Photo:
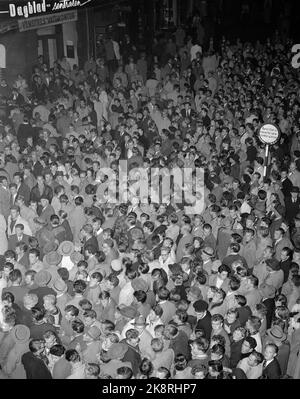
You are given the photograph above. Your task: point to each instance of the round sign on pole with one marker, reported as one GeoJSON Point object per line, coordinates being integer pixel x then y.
{"type": "Point", "coordinates": [269, 134]}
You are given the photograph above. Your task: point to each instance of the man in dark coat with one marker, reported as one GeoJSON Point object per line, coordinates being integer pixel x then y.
{"type": "Point", "coordinates": [286, 184]}
{"type": "Point", "coordinates": [34, 362]}
{"type": "Point", "coordinates": [271, 368]}
{"type": "Point", "coordinates": [292, 205]}
{"type": "Point", "coordinates": [133, 354]}
{"type": "Point", "coordinates": [203, 319]}
{"type": "Point", "coordinates": [296, 232]}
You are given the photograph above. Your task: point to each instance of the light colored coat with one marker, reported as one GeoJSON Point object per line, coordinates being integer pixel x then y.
{"type": "Point", "coordinates": [3, 237]}
{"type": "Point", "coordinates": [13, 366]}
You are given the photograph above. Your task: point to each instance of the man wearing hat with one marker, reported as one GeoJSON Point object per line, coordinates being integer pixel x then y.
{"type": "Point", "coordinates": [115, 355]}
{"type": "Point", "coordinates": [66, 249]}
{"type": "Point", "coordinates": [11, 367]}
{"type": "Point", "coordinates": [140, 324]}
{"type": "Point", "coordinates": [92, 339]}
{"type": "Point", "coordinates": [207, 255]}
{"type": "Point", "coordinates": [279, 338]}
{"type": "Point", "coordinates": [62, 296]}
{"type": "Point", "coordinates": [42, 279]}
{"type": "Point", "coordinates": [123, 316]}
{"type": "Point", "coordinates": [51, 263]}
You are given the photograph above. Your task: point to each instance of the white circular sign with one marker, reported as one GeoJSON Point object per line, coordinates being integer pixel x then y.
{"type": "Point", "coordinates": [269, 134]}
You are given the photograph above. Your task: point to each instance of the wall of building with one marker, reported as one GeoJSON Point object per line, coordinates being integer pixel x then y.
{"type": "Point", "coordinates": [21, 53]}
{"type": "Point", "coordinates": [70, 36]}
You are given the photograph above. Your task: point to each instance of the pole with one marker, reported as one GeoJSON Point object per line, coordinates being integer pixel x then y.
{"type": "Point", "coordinates": [266, 159]}
{"type": "Point", "coordinates": [87, 32]}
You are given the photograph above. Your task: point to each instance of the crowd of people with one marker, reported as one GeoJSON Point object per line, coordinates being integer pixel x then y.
{"type": "Point", "coordinates": [97, 285]}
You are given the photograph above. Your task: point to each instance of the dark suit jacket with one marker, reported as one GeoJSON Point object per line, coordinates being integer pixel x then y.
{"type": "Point", "coordinates": [132, 355]}
{"type": "Point", "coordinates": [270, 305]}
{"type": "Point", "coordinates": [204, 324]}
{"type": "Point", "coordinates": [13, 240]}
{"type": "Point", "coordinates": [287, 186]}
{"type": "Point", "coordinates": [24, 192]}
{"type": "Point", "coordinates": [272, 371]}
{"type": "Point", "coordinates": [93, 242]}
{"type": "Point", "coordinates": [157, 250]}
{"type": "Point", "coordinates": [36, 196]}
{"type": "Point", "coordinates": [285, 267]}
{"type": "Point", "coordinates": [235, 353]}
{"type": "Point", "coordinates": [37, 169]}
{"type": "Point", "coordinates": [244, 313]}
{"type": "Point", "coordinates": [296, 238]}
{"type": "Point", "coordinates": [24, 131]}
{"type": "Point", "coordinates": [291, 209]}
{"type": "Point", "coordinates": [188, 114]}
{"type": "Point", "coordinates": [47, 213]}
{"type": "Point", "coordinates": [35, 368]}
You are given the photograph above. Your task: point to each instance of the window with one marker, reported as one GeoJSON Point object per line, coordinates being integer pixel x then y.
{"type": "Point", "coordinates": [2, 56]}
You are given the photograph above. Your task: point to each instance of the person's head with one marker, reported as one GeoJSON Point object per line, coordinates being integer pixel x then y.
{"type": "Point", "coordinates": [33, 255]}
{"type": "Point", "coordinates": [278, 234]}
{"type": "Point", "coordinates": [30, 300]}
{"type": "Point", "coordinates": [285, 254]}
{"type": "Point", "coordinates": [163, 373]}
{"type": "Point", "coordinates": [231, 316]}
{"type": "Point", "coordinates": [79, 287]}
{"type": "Point", "coordinates": [199, 347]}
{"type": "Point", "coordinates": [14, 212]}
{"type": "Point", "coordinates": [240, 300]}
{"type": "Point", "coordinates": [37, 346]}
{"type": "Point", "coordinates": [49, 302]}
{"type": "Point", "coordinates": [217, 321]}
{"type": "Point", "coordinates": [72, 356]}
{"type": "Point", "coordinates": [199, 372]}
{"type": "Point", "coordinates": [56, 352]}
{"type": "Point", "coordinates": [89, 317]}
{"type": "Point", "coordinates": [223, 272]}
{"type": "Point", "coordinates": [252, 282]}
{"type": "Point", "coordinates": [77, 326]}
{"type": "Point", "coordinates": [248, 345]}
{"type": "Point", "coordinates": [132, 337]}
{"type": "Point", "coordinates": [15, 276]}
{"type": "Point", "coordinates": [92, 371]}
{"type": "Point", "coordinates": [171, 331]}
{"type": "Point", "coordinates": [50, 339]}
{"type": "Point", "coordinates": [8, 299]}
{"type": "Point", "coordinates": [239, 334]}
{"type": "Point", "coordinates": [280, 300]}
{"type": "Point", "coordinates": [71, 312]}
{"type": "Point", "coordinates": [217, 352]}
{"type": "Point", "coordinates": [253, 324]}
{"type": "Point", "coordinates": [255, 358]}
{"type": "Point", "coordinates": [215, 368]}
{"type": "Point", "coordinates": [271, 351]}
